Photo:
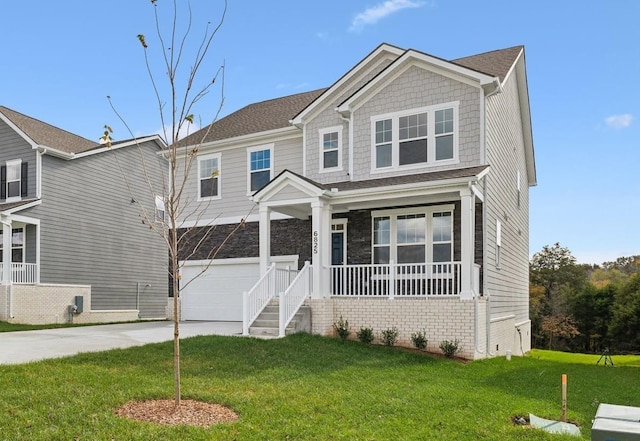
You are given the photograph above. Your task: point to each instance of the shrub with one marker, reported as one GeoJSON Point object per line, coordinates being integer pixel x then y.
{"type": "Point", "coordinates": [419, 340]}
{"type": "Point", "coordinates": [450, 348]}
{"type": "Point", "coordinates": [342, 328]}
{"type": "Point", "coordinates": [365, 335]}
{"type": "Point", "coordinates": [389, 336]}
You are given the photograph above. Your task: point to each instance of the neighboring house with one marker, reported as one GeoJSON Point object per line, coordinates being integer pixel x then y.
{"type": "Point", "coordinates": [72, 227]}
{"type": "Point", "coordinates": [404, 184]}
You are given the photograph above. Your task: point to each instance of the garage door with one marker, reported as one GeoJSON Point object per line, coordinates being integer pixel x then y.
{"type": "Point", "coordinates": [216, 294]}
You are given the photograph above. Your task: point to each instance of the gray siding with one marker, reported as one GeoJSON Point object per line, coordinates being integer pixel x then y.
{"type": "Point", "coordinates": [416, 88]}
{"type": "Point", "coordinates": [235, 200]}
{"type": "Point", "coordinates": [13, 146]}
{"type": "Point", "coordinates": [91, 231]}
{"type": "Point", "coordinates": [509, 284]}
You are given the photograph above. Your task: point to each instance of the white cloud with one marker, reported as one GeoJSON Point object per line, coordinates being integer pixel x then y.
{"type": "Point", "coordinates": [619, 121]}
{"type": "Point", "coordinates": [376, 13]}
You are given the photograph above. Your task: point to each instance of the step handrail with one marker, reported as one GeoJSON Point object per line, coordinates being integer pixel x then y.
{"type": "Point", "coordinates": [293, 297]}
{"type": "Point", "coordinates": [257, 298]}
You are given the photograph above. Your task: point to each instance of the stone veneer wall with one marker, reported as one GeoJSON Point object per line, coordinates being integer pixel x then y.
{"type": "Point", "coordinates": [440, 318]}
{"type": "Point", "coordinates": [48, 303]}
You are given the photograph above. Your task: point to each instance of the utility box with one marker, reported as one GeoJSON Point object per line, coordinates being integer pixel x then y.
{"type": "Point", "coordinates": [79, 302]}
{"type": "Point", "coordinates": [616, 423]}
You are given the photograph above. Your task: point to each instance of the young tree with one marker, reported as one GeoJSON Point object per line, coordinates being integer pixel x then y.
{"type": "Point", "coordinates": [181, 84]}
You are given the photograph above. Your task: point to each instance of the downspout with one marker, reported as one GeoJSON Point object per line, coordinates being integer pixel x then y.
{"type": "Point", "coordinates": [350, 134]}
{"type": "Point", "coordinates": [485, 291]}
{"type": "Point", "coordinates": [476, 306]}
{"type": "Point", "coordinates": [40, 154]}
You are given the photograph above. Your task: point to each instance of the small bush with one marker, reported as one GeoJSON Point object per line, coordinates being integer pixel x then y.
{"type": "Point", "coordinates": [450, 348]}
{"type": "Point", "coordinates": [389, 336]}
{"type": "Point", "coordinates": [342, 328]}
{"type": "Point", "coordinates": [419, 340]}
{"type": "Point", "coordinates": [365, 335]}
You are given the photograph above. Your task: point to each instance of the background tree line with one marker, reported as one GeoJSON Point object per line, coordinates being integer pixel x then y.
{"type": "Point", "coordinates": [584, 308]}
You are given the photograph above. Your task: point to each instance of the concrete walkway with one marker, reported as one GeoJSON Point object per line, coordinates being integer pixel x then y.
{"type": "Point", "coordinates": [27, 346]}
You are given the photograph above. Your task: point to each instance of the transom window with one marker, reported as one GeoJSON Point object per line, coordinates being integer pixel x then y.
{"type": "Point", "coordinates": [416, 137]}
{"type": "Point", "coordinates": [209, 176]}
{"type": "Point", "coordinates": [331, 149]}
{"type": "Point", "coordinates": [260, 167]}
{"type": "Point", "coordinates": [405, 237]}
{"type": "Point", "coordinates": [17, 245]}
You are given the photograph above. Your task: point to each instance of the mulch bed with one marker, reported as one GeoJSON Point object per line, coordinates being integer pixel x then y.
{"type": "Point", "coordinates": [190, 412]}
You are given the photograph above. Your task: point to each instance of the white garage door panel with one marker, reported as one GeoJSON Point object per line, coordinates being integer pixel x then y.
{"type": "Point", "coordinates": [217, 293]}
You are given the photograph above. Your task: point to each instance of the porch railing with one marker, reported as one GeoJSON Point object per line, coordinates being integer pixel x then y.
{"type": "Point", "coordinates": [274, 281]}
{"type": "Point", "coordinates": [22, 273]}
{"type": "Point", "coordinates": [397, 280]}
{"type": "Point", "coordinates": [294, 296]}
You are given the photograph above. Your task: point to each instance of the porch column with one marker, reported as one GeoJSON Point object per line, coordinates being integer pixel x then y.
{"type": "Point", "coordinates": [6, 251]}
{"type": "Point", "coordinates": [320, 241]}
{"type": "Point", "coordinates": [265, 238]}
{"type": "Point", "coordinates": [467, 243]}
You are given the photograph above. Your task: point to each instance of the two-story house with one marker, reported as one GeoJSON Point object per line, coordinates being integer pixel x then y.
{"type": "Point", "coordinates": [404, 185]}
{"type": "Point", "coordinates": [71, 231]}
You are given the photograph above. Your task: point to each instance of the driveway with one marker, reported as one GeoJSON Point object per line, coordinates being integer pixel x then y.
{"type": "Point", "coordinates": [26, 346]}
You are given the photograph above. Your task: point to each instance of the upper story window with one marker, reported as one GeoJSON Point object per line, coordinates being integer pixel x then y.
{"type": "Point", "coordinates": [331, 149]}
{"type": "Point", "coordinates": [260, 166]}
{"type": "Point", "coordinates": [209, 176]}
{"type": "Point", "coordinates": [418, 137]}
{"type": "Point", "coordinates": [410, 236]}
{"type": "Point", "coordinates": [13, 180]}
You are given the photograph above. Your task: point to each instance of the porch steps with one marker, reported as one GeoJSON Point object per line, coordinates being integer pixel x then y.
{"type": "Point", "coordinates": [268, 323]}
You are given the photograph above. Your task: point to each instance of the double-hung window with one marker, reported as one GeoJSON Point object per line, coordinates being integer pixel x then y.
{"type": "Point", "coordinates": [417, 137]}
{"type": "Point", "coordinates": [209, 176]}
{"type": "Point", "coordinates": [260, 166]}
{"type": "Point", "coordinates": [331, 149]}
{"type": "Point", "coordinates": [13, 180]}
{"type": "Point", "coordinates": [413, 236]}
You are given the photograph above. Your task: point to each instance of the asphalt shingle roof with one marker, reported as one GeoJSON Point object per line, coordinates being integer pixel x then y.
{"type": "Point", "coordinates": [47, 135]}
{"type": "Point", "coordinates": [276, 113]}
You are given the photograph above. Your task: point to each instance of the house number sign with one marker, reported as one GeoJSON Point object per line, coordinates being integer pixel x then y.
{"type": "Point", "coordinates": [315, 242]}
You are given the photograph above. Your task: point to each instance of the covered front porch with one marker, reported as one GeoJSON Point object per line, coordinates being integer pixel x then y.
{"type": "Point", "coordinates": [19, 250]}
{"type": "Point", "coordinates": [400, 237]}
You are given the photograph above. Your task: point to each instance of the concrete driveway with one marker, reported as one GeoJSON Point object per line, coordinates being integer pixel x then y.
{"type": "Point", "coordinates": [26, 346]}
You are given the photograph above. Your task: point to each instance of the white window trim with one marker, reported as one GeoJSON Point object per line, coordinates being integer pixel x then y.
{"type": "Point", "coordinates": [343, 223]}
{"type": "Point", "coordinates": [428, 214]}
{"type": "Point", "coordinates": [498, 243]}
{"type": "Point", "coordinates": [321, 134]}
{"type": "Point", "coordinates": [217, 156]}
{"type": "Point", "coordinates": [23, 246]}
{"type": "Point", "coordinates": [250, 150]}
{"type": "Point", "coordinates": [18, 163]}
{"type": "Point", "coordinates": [431, 146]}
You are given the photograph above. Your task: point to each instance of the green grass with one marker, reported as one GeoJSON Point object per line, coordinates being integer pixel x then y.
{"type": "Point", "coordinates": [15, 327]}
{"type": "Point", "coordinates": [592, 359]}
{"type": "Point", "coordinates": [304, 388]}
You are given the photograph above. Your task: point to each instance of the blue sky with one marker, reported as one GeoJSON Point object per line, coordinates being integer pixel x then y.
{"type": "Point", "coordinates": [61, 59]}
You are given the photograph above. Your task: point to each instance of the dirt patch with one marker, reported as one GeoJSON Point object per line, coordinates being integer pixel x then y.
{"type": "Point", "coordinates": [190, 412]}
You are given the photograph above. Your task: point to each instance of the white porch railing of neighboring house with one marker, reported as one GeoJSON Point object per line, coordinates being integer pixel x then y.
{"type": "Point", "coordinates": [294, 297]}
{"type": "Point", "coordinates": [22, 273]}
{"type": "Point", "coordinates": [397, 280]}
{"type": "Point", "coordinates": [274, 281]}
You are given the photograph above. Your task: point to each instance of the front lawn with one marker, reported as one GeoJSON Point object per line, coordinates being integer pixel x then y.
{"type": "Point", "coordinates": [304, 388]}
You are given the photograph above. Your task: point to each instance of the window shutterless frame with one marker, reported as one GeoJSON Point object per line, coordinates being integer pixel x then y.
{"type": "Point", "coordinates": [330, 149]}
{"type": "Point", "coordinates": [260, 160]}
{"type": "Point", "coordinates": [209, 177]}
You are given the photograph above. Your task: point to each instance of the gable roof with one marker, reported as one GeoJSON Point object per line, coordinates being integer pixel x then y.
{"type": "Point", "coordinates": [255, 118]}
{"type": "Point", "coordinates": [278, 112]}
{"type": "Point", "coordinates": [46, 135]}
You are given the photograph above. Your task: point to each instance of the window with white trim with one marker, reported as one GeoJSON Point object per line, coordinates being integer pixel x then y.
{"type": "Point", "coordinates": [518, 188]}
{"type": "Point", "coordinates": [17, 245]}
{"type": "Point", "coordinates": [417, 137]}
{"type": "Point", "coordinates": [160, 209]}
{"type": "Point", "coordinates": [331, 149]}
{"type": "Point", "coordinates": [413, 236]}
{"type": "Point", "coordinates": [209, 176]}
{"type": "Point", "coordinates": [498, 242]}
{"type": "Point", "coordinates": [260, 167]}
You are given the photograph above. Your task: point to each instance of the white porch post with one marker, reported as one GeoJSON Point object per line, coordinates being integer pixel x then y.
{"type": "Point", "coordinates": [320, 241]}
{"type": "Point", "coordinates": [467, 243]}
{"type": "Point", "coordinates": [265, 238]}
{"type": "Point", "coordinates": [6, 251]}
